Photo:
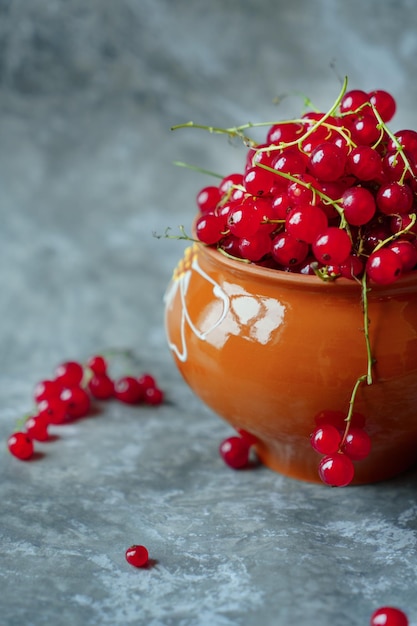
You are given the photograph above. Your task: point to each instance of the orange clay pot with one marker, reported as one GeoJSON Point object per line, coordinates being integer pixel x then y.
{"type": "Point", "coordinates": [268, 350]}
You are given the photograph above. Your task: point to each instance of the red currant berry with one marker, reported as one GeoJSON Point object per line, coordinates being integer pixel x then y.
{"type": "Point", "coordinates": [336, 470]}
{"type": "Point", "coordinates": [235, 452]}
{"type": "Point", "coordinates": [329, 416]}
{"type": "Point", "coordinates": [20, 445]}
{"type": "Point", "coordinates": [384, 266]}
{"type": "Point", "coordinates": [232, 180]}
{"type": "Point", "coordinates": [258, 181]}
{"type": "Point", "coordinates": [281, 205]}
{"type": "Point", "coordinates": [359, 205]}
{"type": "Point", "coordinates": [153, 396]}
{"type": "Point", "coordinates": [303, 191]}
{"type": "Point", "coordinates": [364, 129]}
{"type": "Point", "coordinates": [250, 439]}
{"type": "Point", "coordinates": [244, 220]}
{"type": "Point", "coordinates": [351, 268]}
{"type": "Point", "coordinates": [352, 100]}
{"type": "Point", "coordinates": [36, 427]}
{"type": "Point", "coordinates": [101, 386]}
{"type": "Point", "coordinates": [209, 228]}
{"type": "Point", "coordinates": [47, 389]}
{"type": "Point", "coordinates": [327, 162]}
{"type": "Point", "coordinates": [306, 222]}
{"type": "Point", "coordinates": [69, 374]}
{"type": "Point", "coordinates": [284, 133]}
{"type": "Point", "coordinates": [97, 364]}
{"type": "Point", "coordinates": [286, 250]}
{"type": "Point", "coordinates": [290, 162]}
{"type": "Point", "coordinates": [407, 139]}
{"type": "Point", "coordinates": [128, 389]}
{"type": "Point", "coordinates": [407, 253]}
{"type": "Point", "coordinates": [388, 616]}
{"type": "Point", "coordinates": [326, 439]}
{"type": "Point", "coordinates": [399, 222]}
{"type": "Point", "coordinates": [357, 444]}
{"type": "Point", "coordinates": [255, 248]}
{"type": "Point", "coordinates": [137, 556]}
{"type": "Point", "coordinates": [76, 400]}
{"type": "Point", "coordinates": [146, 381]}
{"type": "Point", "coordinates": [394, 198]}
{"type": "Point", "coordinates": [53, 410]}
{"type": "Point", "coordinates": [208, 198]}
{"type": "Point", "coordinates": [332, 246]}
{"type": "Point", "coordinates": [364, 163]}
{"type": "Point", "coordinates": [384, 104]}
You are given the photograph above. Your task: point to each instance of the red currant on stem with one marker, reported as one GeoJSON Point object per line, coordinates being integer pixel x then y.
{"type": "Point", "coordinates": [388, 616]}
{"type": "Point", "coordinates": [384, 266]}
{"type": "Point", "coordinates": [69, 374]}
{"type": "Point", "coordinates": [53, 410]}
{"type": "Point", "coordinates": [97, 364]}
{"type": "Point", "coordinates": [20, 445]}
{"type": "Point", "coordinates": [336, 470]}
{"type": "Point", "coordinates": [101, 386]}
{"type": "Point", "coordinates": [326, 439]}
{"type": "Point", "coordinates": [128, 389]}
{"type": "Point", "coordinates": [36, 427]}
{"type": "Point", "coordinates": [47, 389]}
{"type": "Point", "coordinates": [137, 556]}
{"type": "Point", "coordinates": [76, 400]}
{"type": "Point", "coordinates": [153, 396]}
{"type": "Point", "coordinates": [357, 444]}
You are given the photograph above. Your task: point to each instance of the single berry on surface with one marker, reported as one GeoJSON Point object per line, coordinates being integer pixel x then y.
{"type": "Point", "coordinates": [137, 556]}
{"type": "Point", "coordinates": [336, 470]}
{"type": "Point", "coordinates": [389, 616]}
{"type": "Point", "coordinates": [235, 452]}
{"type": "Point", "coordinates": [20, 445]}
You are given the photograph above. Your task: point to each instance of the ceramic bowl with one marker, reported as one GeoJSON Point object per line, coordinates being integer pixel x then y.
{"type": "Point", "coordinates": [269, 350]}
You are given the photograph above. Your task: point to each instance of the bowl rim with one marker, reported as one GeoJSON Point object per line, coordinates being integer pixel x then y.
{"type": "Point", "coordinates": [406, 283]}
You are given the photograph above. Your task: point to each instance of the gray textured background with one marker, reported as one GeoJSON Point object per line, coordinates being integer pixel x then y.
{"type": "Point", "coordinates": [88, 93]}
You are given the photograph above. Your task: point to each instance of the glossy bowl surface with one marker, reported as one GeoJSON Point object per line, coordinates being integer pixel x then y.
{"type": "Point", "coordinates": [269, 350]}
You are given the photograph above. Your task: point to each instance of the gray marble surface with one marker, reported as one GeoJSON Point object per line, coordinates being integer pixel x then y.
{"type": "Point", "coordinates": [88, 93]}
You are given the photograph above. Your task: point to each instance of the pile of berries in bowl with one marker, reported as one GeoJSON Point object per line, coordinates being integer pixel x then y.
{"type": "Point", "coordinates": [328, 192]}
{"type": "Point", "coordinates": [298, 297]}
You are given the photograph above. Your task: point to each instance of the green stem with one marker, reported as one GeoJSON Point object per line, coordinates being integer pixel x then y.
{"type": "Point", "coordinates": [370, 359]}
{"type": "Point", "coordinates": [195, 168]}
{"type": "Point", "coordinates": [348, 419]}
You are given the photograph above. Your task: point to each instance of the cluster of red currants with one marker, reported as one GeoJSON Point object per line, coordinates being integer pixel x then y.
{"type": "Point", "coordinates": [340, 444]}
{"type": "Point", "coordinates": [330, 193]}
{"type": "Point", "coordinates": [67, 396]}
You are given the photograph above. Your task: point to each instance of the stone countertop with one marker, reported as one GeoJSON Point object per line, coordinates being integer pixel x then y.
{"type": "Point", "coordinates": [87, 98]}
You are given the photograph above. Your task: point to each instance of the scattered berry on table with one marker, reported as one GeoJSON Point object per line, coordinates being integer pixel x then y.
{"type": "Point", "coordinates": [137, 556]}
{"type": "Point", "coordinates": [388, 616]}
{"type": "Point", "coordinates": [235, 452]}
